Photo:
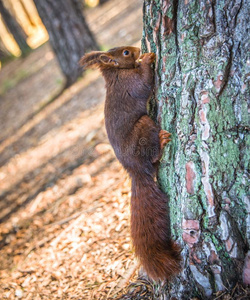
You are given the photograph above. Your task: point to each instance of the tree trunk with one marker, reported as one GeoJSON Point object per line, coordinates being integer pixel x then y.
{"type": "Point", "coordinates": [202, 92]}
{"type": "Point", "coordinates": [69, 34]}
{"type": "Point", "coordinates": [14, 28]}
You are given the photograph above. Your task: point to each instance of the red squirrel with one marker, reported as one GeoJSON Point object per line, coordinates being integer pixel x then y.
{"type": "Point", "coordinates": [138, 143]}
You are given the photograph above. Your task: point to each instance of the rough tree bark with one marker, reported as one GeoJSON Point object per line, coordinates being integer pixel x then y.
{"type": "Point", "coordinates": [70, 37]}
{"type": "Point", "coordinates": [14, 28]}
{"type": "Point", "coordinates": [202, 90]}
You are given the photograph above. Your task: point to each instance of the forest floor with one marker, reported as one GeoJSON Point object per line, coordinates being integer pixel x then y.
{"type": "Point", "coordinates": [64, 198]}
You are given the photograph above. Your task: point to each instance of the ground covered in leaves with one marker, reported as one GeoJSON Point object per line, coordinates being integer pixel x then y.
{"type": "Point", "coordinates": [64, 198]}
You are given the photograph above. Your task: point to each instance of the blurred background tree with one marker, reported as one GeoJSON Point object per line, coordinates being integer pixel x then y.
{"type": "Point", "coordinates": [63, 23]}
{"type": "Point", "coordinates": [69, 34]}
{"type": "Point", "coordinates": [25, 16]}
{"type": "Point", "coordinates": [14, 28]}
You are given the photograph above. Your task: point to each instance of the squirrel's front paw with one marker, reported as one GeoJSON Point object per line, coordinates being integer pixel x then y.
{"type": "Point", "coordinates": [148, 58]}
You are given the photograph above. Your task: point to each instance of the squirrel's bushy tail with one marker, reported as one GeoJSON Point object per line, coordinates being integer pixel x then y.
{"type": "Point", "coordinates": [150, 230]}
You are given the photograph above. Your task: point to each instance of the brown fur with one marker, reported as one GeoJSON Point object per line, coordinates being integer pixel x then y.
{"type": "Point", "coordinates": [138, 143]}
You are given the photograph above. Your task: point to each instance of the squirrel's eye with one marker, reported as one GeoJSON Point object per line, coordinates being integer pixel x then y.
{"type": "Point", "coordinates": [125, 52]}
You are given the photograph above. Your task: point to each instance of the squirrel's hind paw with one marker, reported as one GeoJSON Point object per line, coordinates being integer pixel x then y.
{"type": "Point", "coordinates": [164, 138]}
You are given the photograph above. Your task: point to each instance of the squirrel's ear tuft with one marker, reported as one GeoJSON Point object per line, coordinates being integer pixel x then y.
{"type": "Point", "coordinates": [107, 60]}
{"type": "Point", "coordinates": [90, 60]}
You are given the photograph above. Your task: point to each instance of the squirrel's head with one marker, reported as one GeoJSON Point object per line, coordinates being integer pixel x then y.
{"type": "Point", "coordinates": [120, 58]}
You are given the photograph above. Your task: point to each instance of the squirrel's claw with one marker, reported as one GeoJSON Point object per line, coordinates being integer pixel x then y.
{"type": "Point", "coordinates": [164, 138]}
{"type": "Point", "coordinates": [148, 58]}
